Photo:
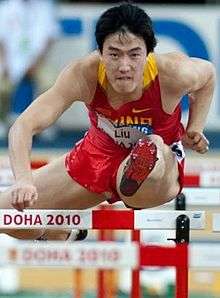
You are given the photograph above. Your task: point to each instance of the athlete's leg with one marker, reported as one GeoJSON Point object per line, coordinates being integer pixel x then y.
{"type": "Point", "coordinates": [56, 190]}
{"type": "Point", "coordinates": [160, 185]}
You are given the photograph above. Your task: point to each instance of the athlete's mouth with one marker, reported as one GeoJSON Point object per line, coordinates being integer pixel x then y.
{"type": "Point", "coordinates": [124, 78]}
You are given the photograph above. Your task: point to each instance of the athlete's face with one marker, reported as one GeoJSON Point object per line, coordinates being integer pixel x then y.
{"type": "Point", "coordinates": [124, 57]}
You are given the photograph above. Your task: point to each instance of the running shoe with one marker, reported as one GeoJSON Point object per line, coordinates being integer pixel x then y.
{"type": "Point", "coordinates": [74, 235]}
{"type": "Point", "coordinates": [142, 160]}
{"type": "Point", "coordinates": [77, 235]}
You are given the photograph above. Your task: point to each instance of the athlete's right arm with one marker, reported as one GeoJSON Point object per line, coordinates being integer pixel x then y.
{"type": "Point", "coordinates": [72, 84]}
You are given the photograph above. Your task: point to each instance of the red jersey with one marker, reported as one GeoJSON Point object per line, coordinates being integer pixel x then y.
{"type": "Point", "coordinates": [133, 119]}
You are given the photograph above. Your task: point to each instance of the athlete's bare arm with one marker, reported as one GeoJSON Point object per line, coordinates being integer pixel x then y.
{"type": "Point", "coordinates": [76, 82]}
{"type": "Point", "coordinates": [181, 75]}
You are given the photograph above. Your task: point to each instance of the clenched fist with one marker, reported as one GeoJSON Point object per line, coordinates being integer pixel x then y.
{"type": "Point", "coordinates": [23, 195]}
{"type": "Point", "coordinates": [195, 141]}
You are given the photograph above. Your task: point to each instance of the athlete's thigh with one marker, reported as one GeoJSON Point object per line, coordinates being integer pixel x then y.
{"type": "Point", "coordinates": [57, 190]}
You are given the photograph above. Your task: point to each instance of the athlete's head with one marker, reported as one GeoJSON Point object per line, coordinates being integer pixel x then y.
{"type": "Point", "coordinates": [125, 36]}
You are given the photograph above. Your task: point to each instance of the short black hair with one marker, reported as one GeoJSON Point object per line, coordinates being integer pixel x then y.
{"type": "Point", "coordinates": [122, 18]}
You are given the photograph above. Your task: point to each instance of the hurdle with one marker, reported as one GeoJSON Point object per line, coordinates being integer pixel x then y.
{"type": "Point", "coordinates": [176, 255]}
{"type": "Point", "coordinates": [105, 235]}
{"type": "Point", "coordinates": [97, 219]}
{"type": "Point", "coordinates": [205, 255]}
{"type": "Point", "coordinates": [202, 196]}
{"type": "Point", "coordinates": [203, 179]}
{"type": "Point", "coordinates": [195, 196]}
{"type": "Point", "coordinates": [101, 255]}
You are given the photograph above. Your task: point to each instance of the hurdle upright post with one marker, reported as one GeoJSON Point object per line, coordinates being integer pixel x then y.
{"type": "Point", "coordinates": [135, 286]}
{"type": "Point", "coordinates": [78, 280]}
{"type": "Point", "coordinates": [182, 239]}
{"type": "Point", "coordinates": [102, 290]}
{"type": "Point", "coordinates": [180, 202]}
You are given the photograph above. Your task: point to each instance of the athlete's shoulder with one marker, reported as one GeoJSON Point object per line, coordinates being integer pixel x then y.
{"type": "Point", "coordinates": [181, 71]}
{"type": "Point", "coordinates": [178, 63]}
{"type": "Point", "coordinates": [171, 63]}
{"type": "Point", "coordinates": [90, 63]}
{"type": "Point", "coordinates": [78, 79]}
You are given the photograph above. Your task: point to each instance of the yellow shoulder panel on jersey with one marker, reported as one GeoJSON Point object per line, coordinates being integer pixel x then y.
{"type": "Point", "coordinates": [102, 76]}
{"type": "Point", "coordinates": [150, 70]}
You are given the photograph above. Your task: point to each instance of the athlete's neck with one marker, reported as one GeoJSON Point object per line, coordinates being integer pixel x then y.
{"type": "Point", "coordinates": [116, 100]}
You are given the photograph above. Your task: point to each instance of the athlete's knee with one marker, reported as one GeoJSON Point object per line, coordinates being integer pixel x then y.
{"type": "Point", "coordinates": [158, 141]}
{"type": "Point", "coordinates": [146, 199]}
{"type": "Point", "coordinates": [167, 194]}
{"type": "Point", "coordinates": [173, 191]}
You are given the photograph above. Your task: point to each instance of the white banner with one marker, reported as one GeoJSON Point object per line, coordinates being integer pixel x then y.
{"type": "Point", "coordinates": [51, 219]}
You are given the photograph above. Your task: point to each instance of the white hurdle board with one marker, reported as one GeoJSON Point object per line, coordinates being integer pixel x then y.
{"type": "Point", "coordinates": [198, 196]}
{"type": "Point", "coordinates": [97, 219]}
{"type": "Point", "coordinates": [204, 255]}
{"type": "Point", "coordinates": [203, 196]}
{"type": "Point", "coordinates": [165, 220]}
{"type": "Point", "coordinates": [107, 255]}
{"type": "Point", "coordinates": [216, 222]}
{"type": "Point", "coordinates": [210, 178]}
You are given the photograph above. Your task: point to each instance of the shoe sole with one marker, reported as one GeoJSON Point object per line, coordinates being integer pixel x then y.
{"type": "Point", "coordinates": [140, 164]}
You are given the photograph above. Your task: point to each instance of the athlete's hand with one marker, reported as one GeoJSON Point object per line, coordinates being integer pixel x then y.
{"type": "Point", "coordinates": [195, 141]}
{"type": "Point", "coordinates": [23, 195]}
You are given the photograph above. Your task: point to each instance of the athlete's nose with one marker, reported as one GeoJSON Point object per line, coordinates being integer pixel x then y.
{"type": "Point", "coordinates": [124, 65]}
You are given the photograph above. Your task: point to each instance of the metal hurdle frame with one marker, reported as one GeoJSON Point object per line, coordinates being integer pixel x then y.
{"type": "Point", "coordinates": [136, 220]}
{"type": "Point", "coordinates": [104, 235]}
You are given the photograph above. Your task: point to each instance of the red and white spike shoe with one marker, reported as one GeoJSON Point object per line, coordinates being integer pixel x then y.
{"type": "Point", "coordinates": [141, 162]}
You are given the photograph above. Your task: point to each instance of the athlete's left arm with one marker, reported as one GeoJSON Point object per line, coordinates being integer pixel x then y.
{"type": "Point", "coordinates": [199, 82]}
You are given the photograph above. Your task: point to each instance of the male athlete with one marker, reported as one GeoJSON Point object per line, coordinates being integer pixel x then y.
{"type": "Point", "coordinates": [132, 151]}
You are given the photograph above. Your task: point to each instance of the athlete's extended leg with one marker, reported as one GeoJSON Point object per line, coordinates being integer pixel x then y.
{"type": "Point", "coordinates": [153, 172]}
{"type": "Point", "coordinates": [56, 190]}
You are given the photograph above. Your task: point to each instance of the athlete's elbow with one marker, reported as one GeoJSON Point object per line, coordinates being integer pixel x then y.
{"type": "Point", "coordinates": [20, 127]}
{"type": "Point", "coordinates": [210, 70]}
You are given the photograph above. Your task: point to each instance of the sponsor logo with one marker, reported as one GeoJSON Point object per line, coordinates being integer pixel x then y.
{"type": "Point", "coordinates": [154, 219]}
{"type": "Point", "coordinates": [197, 215]}
{"type": "Point", "coordinates": [129, 120]}
{"type": "Point", "coordinates": [134, 110]}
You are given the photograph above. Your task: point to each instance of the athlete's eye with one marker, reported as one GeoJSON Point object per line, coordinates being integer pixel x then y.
{"type": "Point", "coordinates": [135, 55]}
{"type": "Point", "coordinates": [114, 55]}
